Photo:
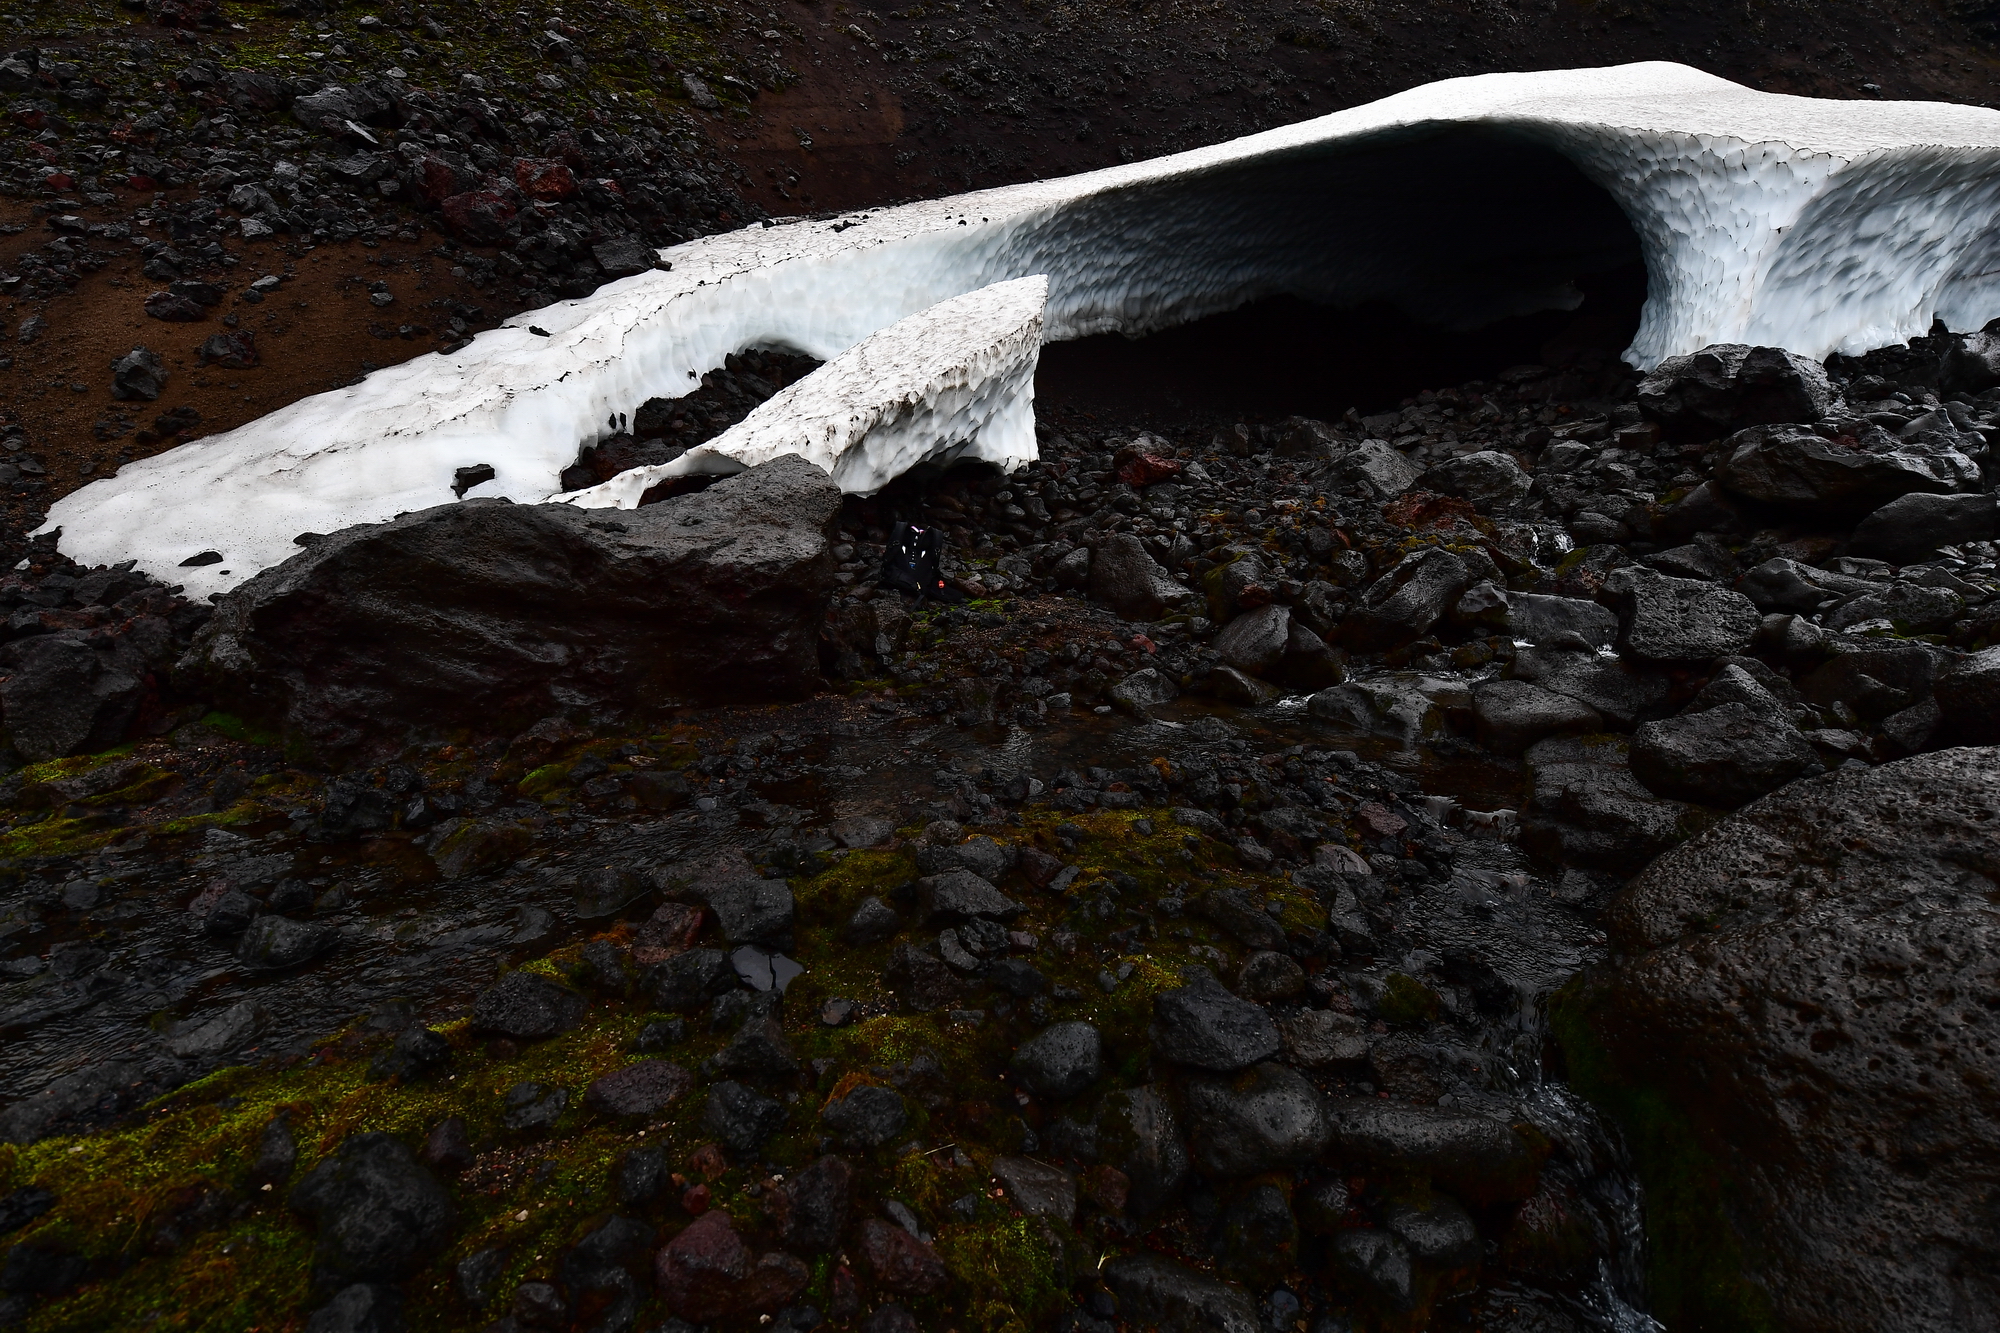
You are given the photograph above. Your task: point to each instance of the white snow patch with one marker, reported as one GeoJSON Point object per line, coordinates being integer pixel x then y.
{"type": "Point", "coordinates": [1810, 224]}
{"type": "Point", "coordinates": [954, 381]}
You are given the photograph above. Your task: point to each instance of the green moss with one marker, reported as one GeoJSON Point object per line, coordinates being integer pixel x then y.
{"type": "Point", "coordinates": [236, 729]}
{"type": "Point", "coordinates": [1698, 1275]}
{"type": "Point", "coordinates": [1012, 1273]}
{"type": "Point", "coordinates": [1407, 1002]}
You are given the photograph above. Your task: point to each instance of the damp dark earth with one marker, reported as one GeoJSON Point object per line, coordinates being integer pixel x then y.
{"type": "Point", "coordinates": [1378, 829]}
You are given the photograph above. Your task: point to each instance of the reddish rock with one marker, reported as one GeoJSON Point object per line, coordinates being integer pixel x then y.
{"type": "Point", "coordinates": [702, 1270]}
{"type": "Point", "coordinates": [775, 1281]}
{"type": "Point", "coordinates": [1139, 470]}
{"type": "Point", "coordinates": [707, 1273]}
{"type": "Point", "coordinates": [480, 216]}
{"type": "Point", "coordinates": [900, 1262]}
{"type": "Point", "coordinates": [671, 930]}
{"type": "Point", "coordinates": [707, 1162]}
{"type": "Point", "coordinates": [544, 178]}
{"type": "Point", "coordinates": [437, 180]}
{"type": "Point", "coordinates": [178, 309]}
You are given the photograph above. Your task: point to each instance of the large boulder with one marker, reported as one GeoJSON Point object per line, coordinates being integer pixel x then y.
{"type": "Point", "coordinates": [1910, 529]}
{"type": "Point", "coordinates": [1679, 620]}
{"type": "Point", "coordinates": [74, 692]}
{"type": "Point", "coordinates": [1129, 581]}
{"type": "Point", "coordinates": [1968, 698]}
{"type": "Point", "coordinates": [1798, 1031]}
{"type": "Point", "coordinates": [490, 615]}
{"type": "Point", "coordinates": [1726, 386]}
{"type": "Point", "coordinates": [380, 1213]}
{"type": "Point", "coordinates": [1797, 467]}
{"type": "Point", "coordinates": [1723, 756]}
{"type": "Point", "coordinates": [1587, 809]}
{"type": "Point", "coordinates": [1488, 478]}
{"type": "Point", "coordinates": [1406, 601]}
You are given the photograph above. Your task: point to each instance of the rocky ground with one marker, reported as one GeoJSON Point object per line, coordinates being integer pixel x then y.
{"type": "Point", "coordinates": [1159, 931]}
{"type": "Point", "coordinates": [1155, 930]}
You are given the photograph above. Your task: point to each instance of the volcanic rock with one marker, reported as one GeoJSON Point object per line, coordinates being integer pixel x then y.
{"type": "Point", "coordinates": [1406, 601]}
{"type": "Point", "coordinates": [1726, 386]}
{"type": "Point", "coordinates": [1856, 907]}
{"type": "Point", "coordinates": [1061, 1060]}
{"type": "Point", "coordinates": [1157, 1292]}
{"type": "Point", "coordinates": [1910, 529]}
{"type": "Point", "coordinates": [380, 1215]}
{"type": "Point", "coordinates": [1137, 1134]}
{"type": "Point", "coordinates": [491, 615]}
{"type": "Point", "coordinates": [1203, 1025]}
{"type": "Point", "coordinates": [1129, 581]}
{"type": "Point", "coordinates": [1797, 467]}
{"type": "Point", "coordinates": [1268, 1120]}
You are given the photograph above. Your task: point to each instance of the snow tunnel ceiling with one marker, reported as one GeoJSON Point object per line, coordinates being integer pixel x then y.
{"type": "Point", "coordinates": [1798, 222]}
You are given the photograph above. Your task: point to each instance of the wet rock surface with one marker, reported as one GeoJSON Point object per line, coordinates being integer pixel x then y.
{"type": "Point", "coordinates": [1253, 900]}
{"type": "Point", "coordinates": [1857, 906]}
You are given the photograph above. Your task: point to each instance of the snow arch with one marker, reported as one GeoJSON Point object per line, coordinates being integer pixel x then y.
{"type": "Point", "coordinates": [1815, 225]}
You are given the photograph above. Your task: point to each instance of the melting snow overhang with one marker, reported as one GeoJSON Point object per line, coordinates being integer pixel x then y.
{"type": "Point", "coordinates": [1814, 225]}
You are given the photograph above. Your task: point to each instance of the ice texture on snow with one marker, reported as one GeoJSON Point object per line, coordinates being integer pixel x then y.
{"type": "Point", "coordinates": [1811, 224]}
{"type": "Point", "coordinates": [951, 382]}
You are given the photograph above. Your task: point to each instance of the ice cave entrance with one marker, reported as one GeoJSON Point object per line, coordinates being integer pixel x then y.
{"type": "Point", "coordinates": [1435, 259]}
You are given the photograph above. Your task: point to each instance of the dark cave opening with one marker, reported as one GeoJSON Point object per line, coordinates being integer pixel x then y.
{"type": "Point", "coordinates": [1283, 356]}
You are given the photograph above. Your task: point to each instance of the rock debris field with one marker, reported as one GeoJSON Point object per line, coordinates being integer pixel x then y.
{"type": "Point", "coordinates": [1208, 911]}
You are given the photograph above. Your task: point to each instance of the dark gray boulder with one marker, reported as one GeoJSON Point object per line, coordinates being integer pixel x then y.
{"type": "Point", "coordinates": [741, 1118]}
{"type": "Point", "coordinates": [1796, 467]}
{"type": "Point", "coordinates": [1061, 1060]}
{"type": "Point", "coordinates": [1271, 1120]}
{"type": "Point", "coordinates": [687, 981]}
{"type": "Point", "coordinates": [749, 909]}
{"type": "Point", "coordinates": [1679, 620]}
{"type": "Point", "coordinates": [1511, 715]}
{"type": "Point", "coordinates": [1480, 1158]}
{"type": "Point", "coordinates": [380, 1214]}
{"type": "Point", "coordinates": [1726, 386]}
{"type": "Point", "coordinates": [643, 1088]}
{"type": "Point", "coordinates": [1158, 1293]}
{"type": "Point", "coordinates": [867, 1117]}
{"type": "Point", "coordinates": [1625, 694]}
{"type": "Point", "coordinates": [491, 615]}
{"type": "Point", "coordinates": [273, 943]}
{"type": "Point", "coordinates": [1780, 584]}
{"type": "Point", "coordinates": [527, 1007]}
{"type": "Point", "coordinates": [1968, 699]}
{"type": "Point", "coordinates": [1255, 641]}
{"type": "Point", "coordinates": [959, 894]}
{"type": "Point", "coordinates": [74, 693]}
{"type": "Point", "coordinates": [1587, 809]}
{"type": "Point", "coordinates": [1910, 529]}
{"type": "Point", "coordinates": [1799, 990]}
{"type": "Point", "coordinates": [1143, 690]}
{"type": "Point", "coordinates": [1488, 479]}
{"type": "Point", "coordinates": [1129, 581]}
{"type": "Point", "coordinates": [1537, 618]}
{"type": "Point", "coordinates": [362, 1307]}
{"type": "Point", "coordinates": [811, 1207]}
{"type": "Point", "coordinates": [1911, 608]}
{"type": "Point", "coordinates": [1203, 1025]}
{"type": "Point", "coordinates": [1876, 679]}
{"type": "Point", "coordinates": [1406, 601]}
{"type": "Point", "coordinates": [1722, 755]}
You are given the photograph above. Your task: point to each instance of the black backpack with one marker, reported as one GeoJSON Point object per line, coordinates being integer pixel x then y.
{"type": "Point", "coordinates": [910, 564]}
